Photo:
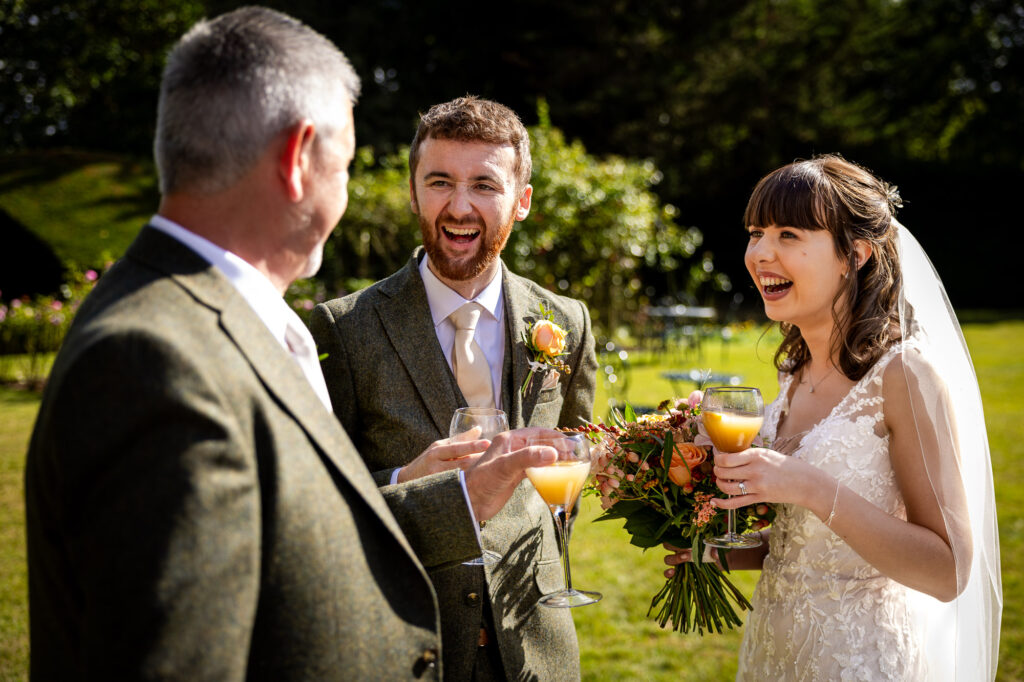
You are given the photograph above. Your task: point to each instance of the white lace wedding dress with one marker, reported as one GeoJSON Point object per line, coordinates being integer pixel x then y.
{"type": "Point", "coordinates": [820, 611]}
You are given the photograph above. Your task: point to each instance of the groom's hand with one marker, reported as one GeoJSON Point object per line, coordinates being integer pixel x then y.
{"type": "Point", "coordinates": [461, 451]}
{"type": "Point", "coordinates": [495, 475]}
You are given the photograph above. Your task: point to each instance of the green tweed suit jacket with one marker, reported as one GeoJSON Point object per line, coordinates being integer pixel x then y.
{"type": "Point", "coordinates": [194, 512]}
{"type": "Point", "coordinates": [394, 392]}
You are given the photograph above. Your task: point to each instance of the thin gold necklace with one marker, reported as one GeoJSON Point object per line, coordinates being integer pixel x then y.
{"type": "Point", "coordinates": [815, 384]}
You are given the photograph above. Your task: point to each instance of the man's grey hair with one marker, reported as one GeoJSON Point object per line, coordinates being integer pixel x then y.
{"type": "Point", "coordinates": [232, 84]}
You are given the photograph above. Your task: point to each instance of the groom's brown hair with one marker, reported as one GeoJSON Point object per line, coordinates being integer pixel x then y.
{"type": "Point", "coordinates": [471, 119]}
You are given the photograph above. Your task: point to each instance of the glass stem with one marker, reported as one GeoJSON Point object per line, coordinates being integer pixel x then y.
{"type": "Point", "coordinates": [732, 522]}
{"type": "Point", "coordinates": [563, 535]}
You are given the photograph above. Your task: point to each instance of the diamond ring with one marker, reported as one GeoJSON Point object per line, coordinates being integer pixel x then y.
{"type": "Point", "coordinates": [743, 488]}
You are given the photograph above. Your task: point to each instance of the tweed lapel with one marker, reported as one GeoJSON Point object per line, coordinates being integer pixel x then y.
{"type": "Point", "coordinates": [520, 308]}
{"type": "Point", "coordinates": [405, 315]}
{"type": "Point", "coordinates": [280, 375]}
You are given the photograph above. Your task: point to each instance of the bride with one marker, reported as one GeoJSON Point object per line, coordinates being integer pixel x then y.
{"type": "Point", "coordinates": [883, 561]}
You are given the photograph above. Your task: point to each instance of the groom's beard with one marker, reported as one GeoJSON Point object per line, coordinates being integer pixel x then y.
{"type": "Point", "coordinates": [492, 242]}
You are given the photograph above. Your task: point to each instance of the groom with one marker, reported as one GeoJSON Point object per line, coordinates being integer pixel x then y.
{"type": "Point", "coordinates": [397, 368]}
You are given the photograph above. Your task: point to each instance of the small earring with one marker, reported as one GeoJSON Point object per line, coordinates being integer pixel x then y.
{"type": "Point", "coordinates": [845, 274]}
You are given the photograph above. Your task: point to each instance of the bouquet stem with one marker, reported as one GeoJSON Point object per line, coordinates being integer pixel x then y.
{"type": "Point", "coordinates": [699, 597]}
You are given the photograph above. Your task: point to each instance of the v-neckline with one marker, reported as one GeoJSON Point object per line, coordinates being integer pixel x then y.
{"type": "Point", "coordinates": [788, 396]}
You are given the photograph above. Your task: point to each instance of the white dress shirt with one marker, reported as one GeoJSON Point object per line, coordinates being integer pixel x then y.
{"type": "Point", "coordinates": [490, 330]}
{"type": "Point", "coordinates": [265, 300]}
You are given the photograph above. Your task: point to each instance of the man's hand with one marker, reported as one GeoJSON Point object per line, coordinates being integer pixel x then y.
{"type": "Point", "coordinates": [461, 451]}
{"type": "Point", "coordinates": [495, 474]}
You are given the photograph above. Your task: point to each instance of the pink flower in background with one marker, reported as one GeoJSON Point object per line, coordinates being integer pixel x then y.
{"type": "Point", "coordinates": [91, 276]}
{"type": "Point", "coordinates": [56, 305]}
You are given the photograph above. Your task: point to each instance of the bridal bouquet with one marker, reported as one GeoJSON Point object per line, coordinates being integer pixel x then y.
{"type": "Point", "coordinates": [656, 472]}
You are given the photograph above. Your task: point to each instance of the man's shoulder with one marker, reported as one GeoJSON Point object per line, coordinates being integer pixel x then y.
{"type": "Point", "coordinates": [530, 290]}
{"type": "Point", "coordinates": [365, 300]}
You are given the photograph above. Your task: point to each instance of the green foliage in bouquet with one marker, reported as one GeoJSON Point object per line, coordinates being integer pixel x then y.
{"type": "Point", "coordinates": [657, 474]}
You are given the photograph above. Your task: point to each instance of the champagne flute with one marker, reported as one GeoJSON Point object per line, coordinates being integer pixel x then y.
{"type": "Point", "coordinates": [559, 484]}
{"type": "Point", "coordinates": [470, 423]}
{"type": "Point", "coordinates": [732, 416]}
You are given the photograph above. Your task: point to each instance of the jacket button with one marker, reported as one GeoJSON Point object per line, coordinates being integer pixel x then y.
{"type": "Point", "coordinates": [472, 598]}
{"type": "Point", "coordinates": [426, 661]}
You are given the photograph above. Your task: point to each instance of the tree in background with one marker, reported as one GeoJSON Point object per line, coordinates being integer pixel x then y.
{"type": "Point", "coordinates": [85, 73]}
{"type": "Point", "coordinates": [927, 93]}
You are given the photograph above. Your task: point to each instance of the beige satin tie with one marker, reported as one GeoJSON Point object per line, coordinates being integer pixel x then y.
{"type": "Point", "coordinates": [471, 369]}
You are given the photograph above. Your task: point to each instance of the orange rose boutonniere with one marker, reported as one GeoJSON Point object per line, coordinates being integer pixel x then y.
{"type": "Point", "coordinates": [545, 344]}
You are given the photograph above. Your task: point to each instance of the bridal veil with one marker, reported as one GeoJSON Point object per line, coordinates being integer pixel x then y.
{"type": "Point", "coordinates": [962, 636]}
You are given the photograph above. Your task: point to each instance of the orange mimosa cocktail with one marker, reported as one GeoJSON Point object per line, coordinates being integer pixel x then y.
{"type": "Point", "coordinates": [559, 484]}
{"type": "Point", "coordinates": [732, 416]}
{"type": "Point", "coordinates": [732, 431]}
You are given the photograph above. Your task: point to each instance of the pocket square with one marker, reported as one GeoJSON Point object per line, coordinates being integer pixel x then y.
{"type": "Point", "coordinates": [550, 379]}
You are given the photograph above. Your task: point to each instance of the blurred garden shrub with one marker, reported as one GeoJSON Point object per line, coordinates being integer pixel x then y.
{"type": "Point", "coordinates": [33, 327]}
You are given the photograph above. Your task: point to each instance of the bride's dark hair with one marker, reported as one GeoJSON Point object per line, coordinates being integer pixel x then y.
{"type": "Point", "coordinates": [830, 193]}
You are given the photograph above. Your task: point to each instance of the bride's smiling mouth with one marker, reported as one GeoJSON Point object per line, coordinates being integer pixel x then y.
{"type": "Point", "coordinates": [773, 286]}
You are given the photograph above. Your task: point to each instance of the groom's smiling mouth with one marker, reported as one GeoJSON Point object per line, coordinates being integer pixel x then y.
{"type": "Point", "coordinates": [461, 235]}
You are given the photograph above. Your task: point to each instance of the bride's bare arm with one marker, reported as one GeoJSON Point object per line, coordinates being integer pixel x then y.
{"type": "Point", "coordinates": [917, 552]}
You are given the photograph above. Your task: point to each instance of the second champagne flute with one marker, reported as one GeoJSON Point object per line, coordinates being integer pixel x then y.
{"type": "Point", "coordinates": [559, 484]}
{"type": "Point", "coordinates": [490, 422]}
{"type": "Point", "coordinates": [732, 416]}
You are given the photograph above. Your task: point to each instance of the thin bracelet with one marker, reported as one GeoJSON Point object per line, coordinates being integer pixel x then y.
{"type": "Point", "coordinates": [832, 514]}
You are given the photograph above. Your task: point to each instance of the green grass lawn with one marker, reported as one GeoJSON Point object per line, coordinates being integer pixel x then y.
{"type": "Point", "coordinates": [87, 206]}
{"type": "Point", "coordinates": [617, 641]}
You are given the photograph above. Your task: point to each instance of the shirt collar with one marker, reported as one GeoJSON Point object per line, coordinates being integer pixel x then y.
{"type": "Point", "coordinates": [252, 284]}
{"type": "Point", "coordinates": [444, 301]}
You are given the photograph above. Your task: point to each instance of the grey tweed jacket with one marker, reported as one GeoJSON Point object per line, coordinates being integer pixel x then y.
{"type": "Point", "coordinates": [194, 512]}
{"type": "Point", "coordinates": [394, 392]}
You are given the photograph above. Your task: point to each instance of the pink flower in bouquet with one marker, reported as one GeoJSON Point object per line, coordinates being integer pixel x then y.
{"type": "Point", "coordinates": [705, 510]}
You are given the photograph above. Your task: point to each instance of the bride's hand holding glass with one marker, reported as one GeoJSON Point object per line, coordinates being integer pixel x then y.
{"type": "Point", "coordinates": [763, 475]}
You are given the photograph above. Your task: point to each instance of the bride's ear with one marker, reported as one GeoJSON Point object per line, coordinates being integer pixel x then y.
{"type": "Point", "coordinates": [862, 249]}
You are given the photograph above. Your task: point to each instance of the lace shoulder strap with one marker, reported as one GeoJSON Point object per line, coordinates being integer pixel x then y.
{"type": "Point", "coordinates": [865, 398]}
